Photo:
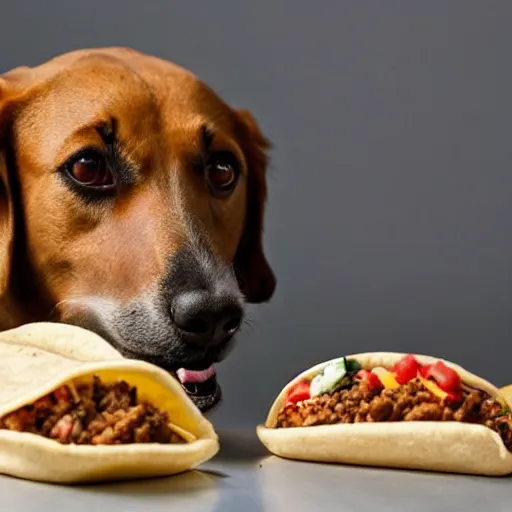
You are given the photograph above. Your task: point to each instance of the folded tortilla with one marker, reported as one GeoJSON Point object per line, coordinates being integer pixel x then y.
{"type": "Point", "coordinates": [506, 393]}
{"type": "Point", "coordinates": [444, 446]}
{"type": "Point", "coordinates": [39, 358]}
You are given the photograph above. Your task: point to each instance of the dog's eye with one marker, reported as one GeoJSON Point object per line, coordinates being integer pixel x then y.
{"type": "Point", "coordinates": [90, 169]}
{"type": "Point", "coordinates": [222, 173]}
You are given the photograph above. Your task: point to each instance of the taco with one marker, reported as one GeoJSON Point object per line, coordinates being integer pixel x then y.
{"type": "Point", "coordinates": [72, 410]}
{"type": "Point", "coordinates": [392, 410]}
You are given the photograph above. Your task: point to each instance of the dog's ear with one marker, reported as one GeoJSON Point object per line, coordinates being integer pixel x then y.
{"type": "Point", "coordinates": [256, 279]}
{"type": "Point", "coordinates": [11, 89]}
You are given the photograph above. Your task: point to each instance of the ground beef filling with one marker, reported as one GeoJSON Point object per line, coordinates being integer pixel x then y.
{"type": "Point", "coordinates": [410, 402]}
{"type": "Point", "coordinates": [95, 414]}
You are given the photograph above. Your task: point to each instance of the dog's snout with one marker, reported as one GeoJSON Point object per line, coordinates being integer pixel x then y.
{"type": "Point", "coordinates": [205, 303]}
{"type": "Point", "coordinates": [204, 319]}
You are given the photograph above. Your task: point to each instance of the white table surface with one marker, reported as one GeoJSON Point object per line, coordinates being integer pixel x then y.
{"type": "Point", "coordinates": [245, 478]}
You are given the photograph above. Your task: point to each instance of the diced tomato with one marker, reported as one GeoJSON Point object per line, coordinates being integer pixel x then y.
{"type": "Point", "coordinates": [299, 392]}
{"type": "Point", "coordinates": [26, 416]}
{"type": "Point", "coordinates": [424, 370]}
{"type": "Point", "coordinates": [406, 369]}
{"type": "Point", "coordinates": [371, 379]}
{"type": "Point", "coordinates": [363, 375]}
{"type": "Point", "coordinates": [454, 396]}
{"type": "Point", "coordinates": [446, 378]}
{"type": "Point", "coordinates": [62, 394]}
{"type": "Point", "coordinates": [374, 381]}
{"type": "Point", "coordinates": [43, 403]}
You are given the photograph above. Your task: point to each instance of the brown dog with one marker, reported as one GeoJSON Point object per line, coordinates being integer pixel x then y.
{"type": "Point", "coordinates": [132, 202]}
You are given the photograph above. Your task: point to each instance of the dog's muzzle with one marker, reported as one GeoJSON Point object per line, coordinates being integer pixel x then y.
{"type": "Point", "coordinates": [185, 326]}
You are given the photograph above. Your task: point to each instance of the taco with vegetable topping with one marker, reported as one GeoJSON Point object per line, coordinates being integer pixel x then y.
{"type": "Point", "coordinates": [392, 410]}
{"type": "Point", "coordinates": [72, 410]}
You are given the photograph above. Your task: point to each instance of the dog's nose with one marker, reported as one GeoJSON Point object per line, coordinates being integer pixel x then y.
{"type": "Point", "coordinates": [205, 320]}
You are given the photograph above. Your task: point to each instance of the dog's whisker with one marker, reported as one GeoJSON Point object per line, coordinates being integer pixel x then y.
{"type": "Point", "coordinates": [58, 306]}
{"type": "Point", "coordinates": [248, 323]}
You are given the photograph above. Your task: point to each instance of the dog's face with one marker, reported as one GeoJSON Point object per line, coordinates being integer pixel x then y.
{"type": "Point", "coordinates": [132, 203]}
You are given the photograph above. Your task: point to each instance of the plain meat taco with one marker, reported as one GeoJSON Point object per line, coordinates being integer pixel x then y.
{"type": "Point", "coordinates": [72, 410]}
{"type": "Point", "coordinates": [392, 410]}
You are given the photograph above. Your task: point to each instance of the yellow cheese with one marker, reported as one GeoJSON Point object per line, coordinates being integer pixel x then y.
{"type": "Point", "coordinates": [433, 388]}
{"type": "Point", "coordinates": [184, 434]}
{"type": "Point", "coordinates": [386, 377]}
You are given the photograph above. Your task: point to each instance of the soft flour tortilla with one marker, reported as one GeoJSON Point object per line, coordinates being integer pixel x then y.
{"type": "Point", "coordinates": [38, 358]}
{"type": "Point", "coordinates": [506, 393]}
{"type": "Point", "coordinates": [436, 446]}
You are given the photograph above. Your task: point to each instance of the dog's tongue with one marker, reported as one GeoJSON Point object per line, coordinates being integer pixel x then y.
{"type": "Point", "coordinates": [195, 376]}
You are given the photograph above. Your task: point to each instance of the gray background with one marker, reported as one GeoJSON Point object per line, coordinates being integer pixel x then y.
{"type": "Point", "coordinates": [390, 214]}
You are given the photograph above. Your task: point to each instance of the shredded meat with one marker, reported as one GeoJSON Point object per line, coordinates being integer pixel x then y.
{"type": "Point", "coordinates": [99, 414]}
{"type": "Point", "coordinates": [409, 402]}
